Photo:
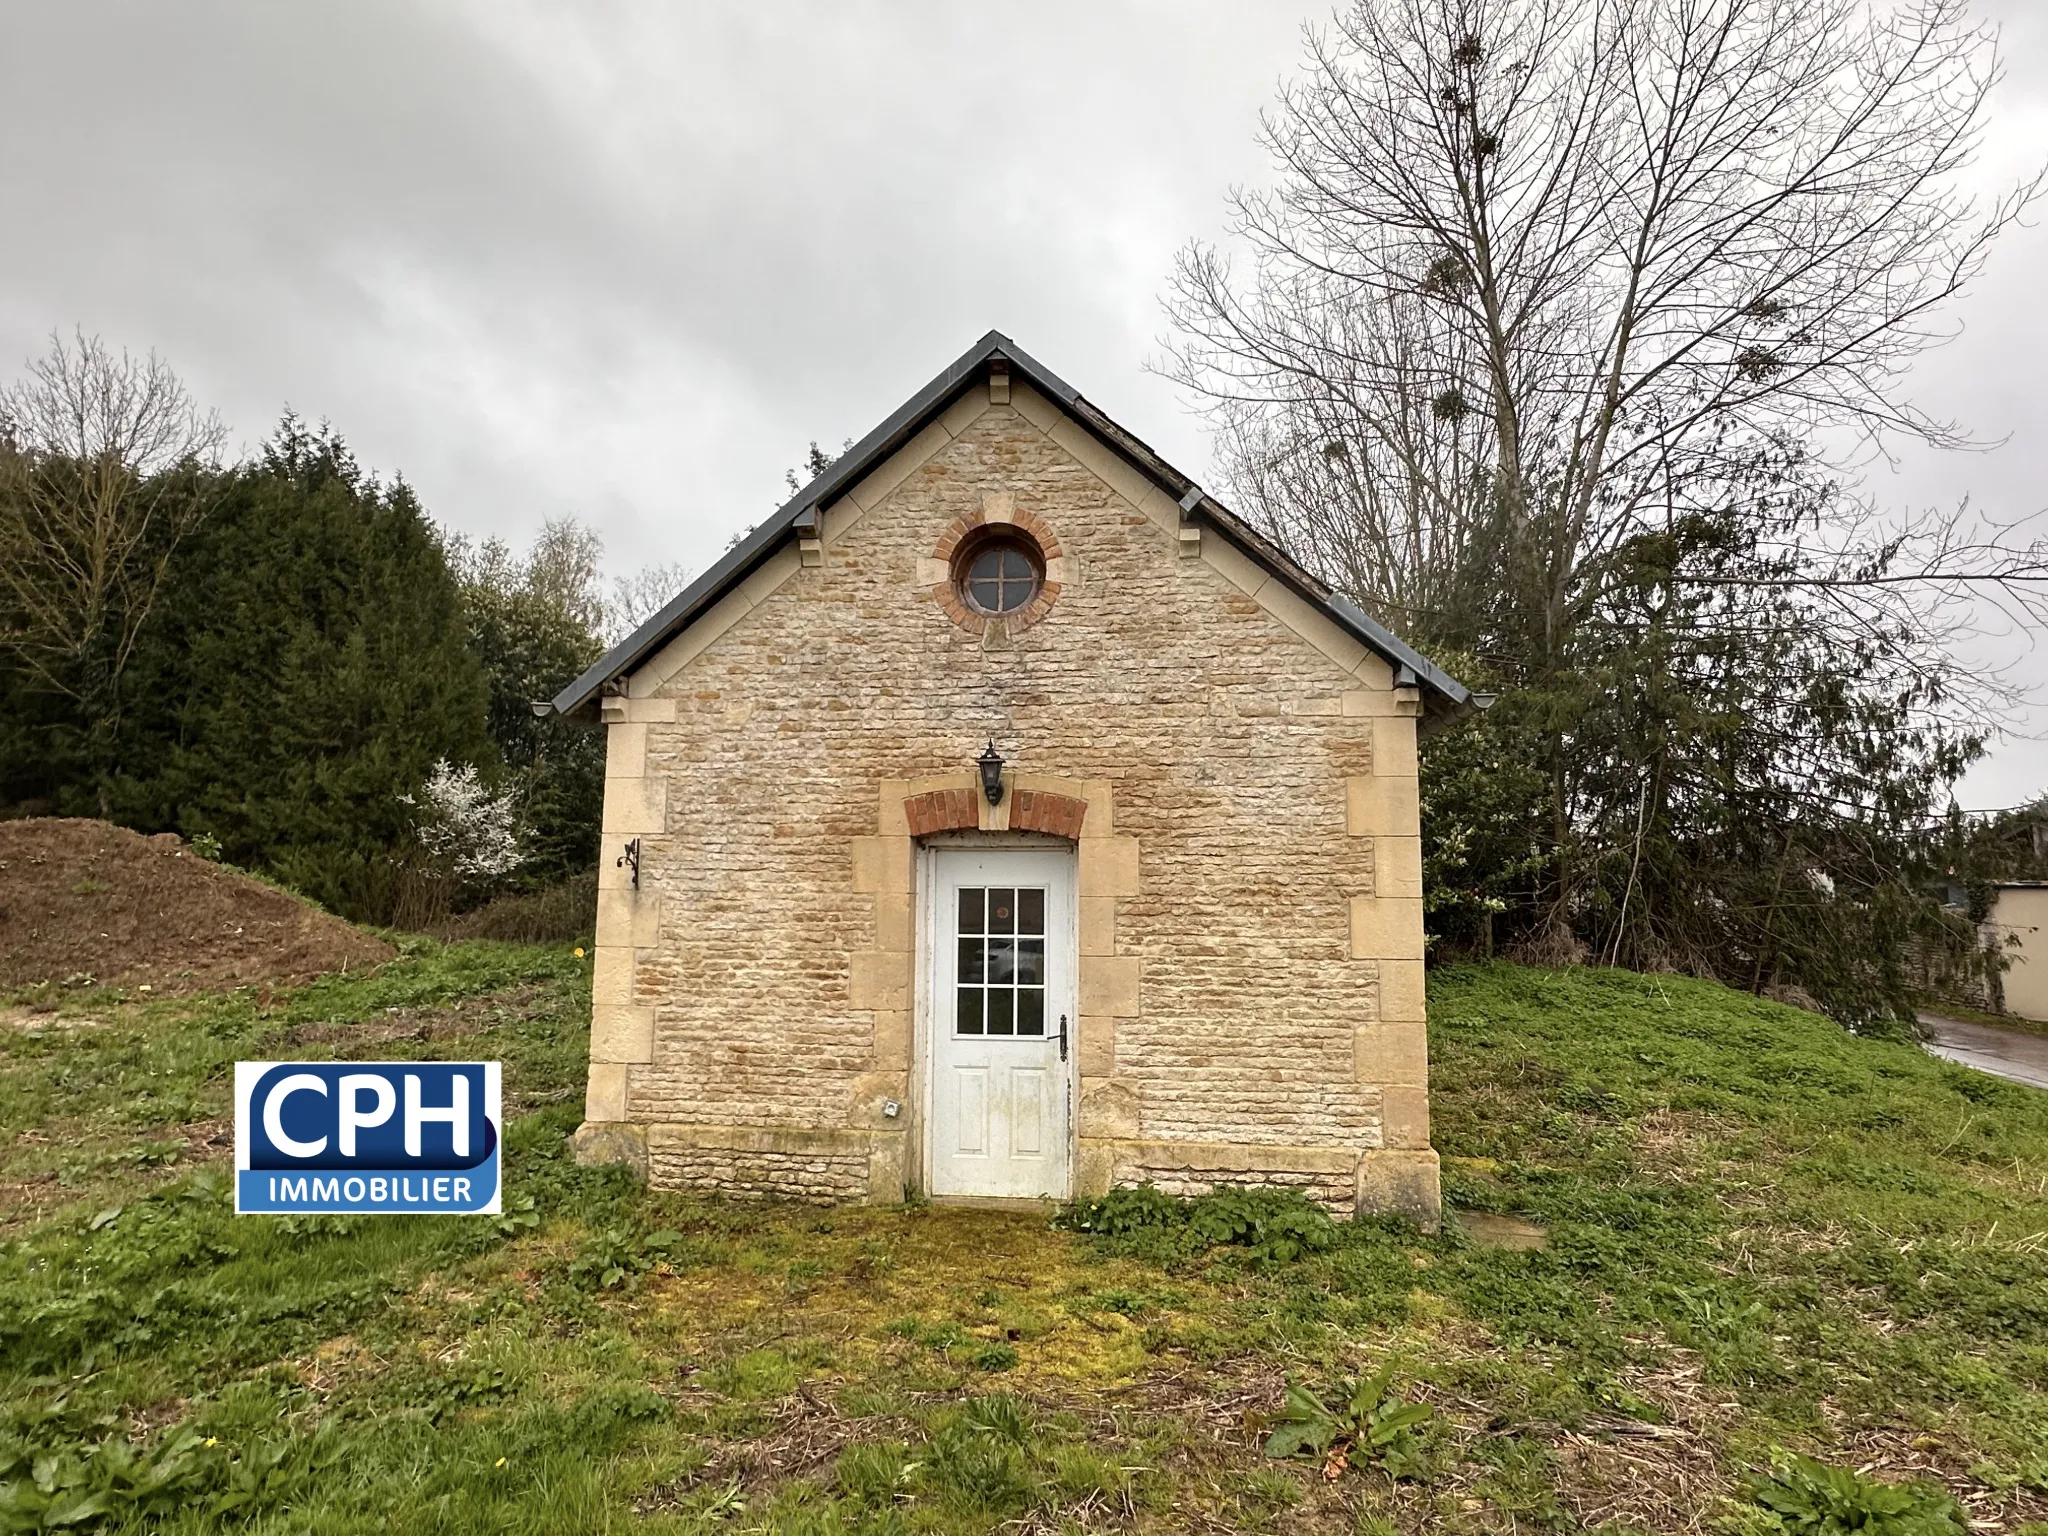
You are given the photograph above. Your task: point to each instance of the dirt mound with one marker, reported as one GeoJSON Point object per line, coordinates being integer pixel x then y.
{"type": "Point", "coordinates": [83, 898]}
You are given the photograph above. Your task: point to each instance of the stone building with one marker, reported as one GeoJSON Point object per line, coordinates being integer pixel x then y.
{"type": "Point", "coordinates": [2016, 929]}
{"type": "Point", "coordinates": [1004, 817]}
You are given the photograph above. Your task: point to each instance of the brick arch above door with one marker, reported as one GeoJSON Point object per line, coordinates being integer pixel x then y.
{"type": "Point", "coordinates": [967, 810]}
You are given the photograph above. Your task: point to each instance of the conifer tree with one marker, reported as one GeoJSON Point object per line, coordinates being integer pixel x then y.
{"type": "Point", "coordinates": [309, 666]}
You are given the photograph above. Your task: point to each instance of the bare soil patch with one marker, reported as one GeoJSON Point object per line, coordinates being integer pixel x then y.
{"type": "Point", "coordinates": [84, 899]}
{"type": "Point", "coordinates": [445, 1021]}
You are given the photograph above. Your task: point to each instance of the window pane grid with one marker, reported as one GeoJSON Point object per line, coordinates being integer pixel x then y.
{"type": "Point", "coordinates": [999, 983]}
{"type": "Point", "coordinates": [1001, 580]}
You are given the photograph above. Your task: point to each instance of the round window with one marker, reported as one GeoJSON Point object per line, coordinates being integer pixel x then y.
{"type": "Point", "coordinates": [999, 575]}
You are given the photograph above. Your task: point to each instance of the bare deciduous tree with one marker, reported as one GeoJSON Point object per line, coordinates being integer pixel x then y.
{"type": "Point", "coordinates": [564, 571]}
{"type": "Point", "coordinates": [92, 508]}
{"type": "Point", "coordinates": [1544, 344]}
{"type": "Point", "coordinates": [639, 597]}
{"type": "Point", "coordinates": [1533, 261]}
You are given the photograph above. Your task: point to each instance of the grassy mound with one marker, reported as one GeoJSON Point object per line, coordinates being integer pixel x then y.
{"type": "Point", "coordinates": [1773, 1255]}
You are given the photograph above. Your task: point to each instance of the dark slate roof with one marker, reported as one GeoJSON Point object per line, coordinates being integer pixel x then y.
{"type": "Point", "coordinates": [1444, 696]}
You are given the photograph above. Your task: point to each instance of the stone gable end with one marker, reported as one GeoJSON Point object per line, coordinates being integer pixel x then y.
{"type": "Point", "coordinates": [1236, 774]}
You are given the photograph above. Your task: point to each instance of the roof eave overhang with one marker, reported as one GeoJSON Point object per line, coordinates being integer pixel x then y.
{"type": "Point", "coordinates": [1444, 698]}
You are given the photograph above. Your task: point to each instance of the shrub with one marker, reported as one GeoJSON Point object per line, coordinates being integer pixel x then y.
{"type": "Point", "coordinates": [1274, 1226]}
{"type": "Point", "coordinates": [1803, 1497]}
{"type": "Point", "coordinates": [557, 914]}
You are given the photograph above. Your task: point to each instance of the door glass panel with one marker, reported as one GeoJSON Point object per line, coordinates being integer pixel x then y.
{"type": "Point", "coordinates": [1000, 978]}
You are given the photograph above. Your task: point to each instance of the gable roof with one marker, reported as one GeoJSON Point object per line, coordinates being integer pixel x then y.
{"type": "Point", "coordinates": [1444, 697]}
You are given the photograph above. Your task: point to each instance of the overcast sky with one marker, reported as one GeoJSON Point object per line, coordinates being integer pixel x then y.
{"type": "Point", "coordinates": [624, 261]}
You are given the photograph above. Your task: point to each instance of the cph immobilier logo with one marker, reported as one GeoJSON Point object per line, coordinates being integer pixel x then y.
{"type": "Point", "coordinates": [394, 1136]}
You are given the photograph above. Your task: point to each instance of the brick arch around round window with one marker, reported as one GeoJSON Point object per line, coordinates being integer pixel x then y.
{"type": "Point", "coordinates": [997, 511]}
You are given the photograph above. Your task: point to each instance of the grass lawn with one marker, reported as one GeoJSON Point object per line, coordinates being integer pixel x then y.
{"type": "Point", "coordinates": [1762, 1235]}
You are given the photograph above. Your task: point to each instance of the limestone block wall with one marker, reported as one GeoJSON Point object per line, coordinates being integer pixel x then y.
{"type": "Point", "coordinates": [1237, 774]}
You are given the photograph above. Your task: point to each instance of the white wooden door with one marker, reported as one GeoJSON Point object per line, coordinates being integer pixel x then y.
{"type": "Point", "coordinates": [1001, 942]}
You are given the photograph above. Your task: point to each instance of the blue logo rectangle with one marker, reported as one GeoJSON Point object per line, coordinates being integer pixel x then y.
{"type": "Point", "coordinates": [404, 1136]}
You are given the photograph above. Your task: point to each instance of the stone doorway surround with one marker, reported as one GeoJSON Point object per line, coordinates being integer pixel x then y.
{"type": "Point", "coordinates": [887, 979]}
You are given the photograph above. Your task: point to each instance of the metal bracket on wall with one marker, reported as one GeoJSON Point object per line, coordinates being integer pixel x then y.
{"type": "Point", "coordinates": [630, 858]}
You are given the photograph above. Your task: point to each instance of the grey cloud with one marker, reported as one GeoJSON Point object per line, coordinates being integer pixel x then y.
{"type": "Point", "coordinates": [614, 260]}
{"type": "Point", "coordinates": [626, 260]}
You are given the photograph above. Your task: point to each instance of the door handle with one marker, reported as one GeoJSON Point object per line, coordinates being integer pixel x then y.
{"type": "Point", "coordinates": [1063, 1037]}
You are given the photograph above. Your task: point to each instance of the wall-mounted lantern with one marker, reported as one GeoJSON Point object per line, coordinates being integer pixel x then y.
{"type": "Point", "coordinates": [991, 763]}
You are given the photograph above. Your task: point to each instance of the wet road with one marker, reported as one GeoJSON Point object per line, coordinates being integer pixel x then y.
{"type": "Point", "coordinates": [2002, 1052]}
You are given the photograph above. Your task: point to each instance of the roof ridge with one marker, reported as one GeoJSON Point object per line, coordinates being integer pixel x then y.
{"type": "Point", "coordinates": [909, 419]}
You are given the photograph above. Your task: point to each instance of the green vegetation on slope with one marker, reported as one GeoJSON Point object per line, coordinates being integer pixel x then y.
{"type": "Point", "coordinates": [1764, 1236]}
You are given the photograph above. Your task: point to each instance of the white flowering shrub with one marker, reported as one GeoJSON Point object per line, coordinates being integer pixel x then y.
{"type": "Point", "coordinates": [466, 827]}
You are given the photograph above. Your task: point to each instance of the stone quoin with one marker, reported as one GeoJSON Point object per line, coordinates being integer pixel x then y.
{"type": "Point", "coordinates": [1183, 945]}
